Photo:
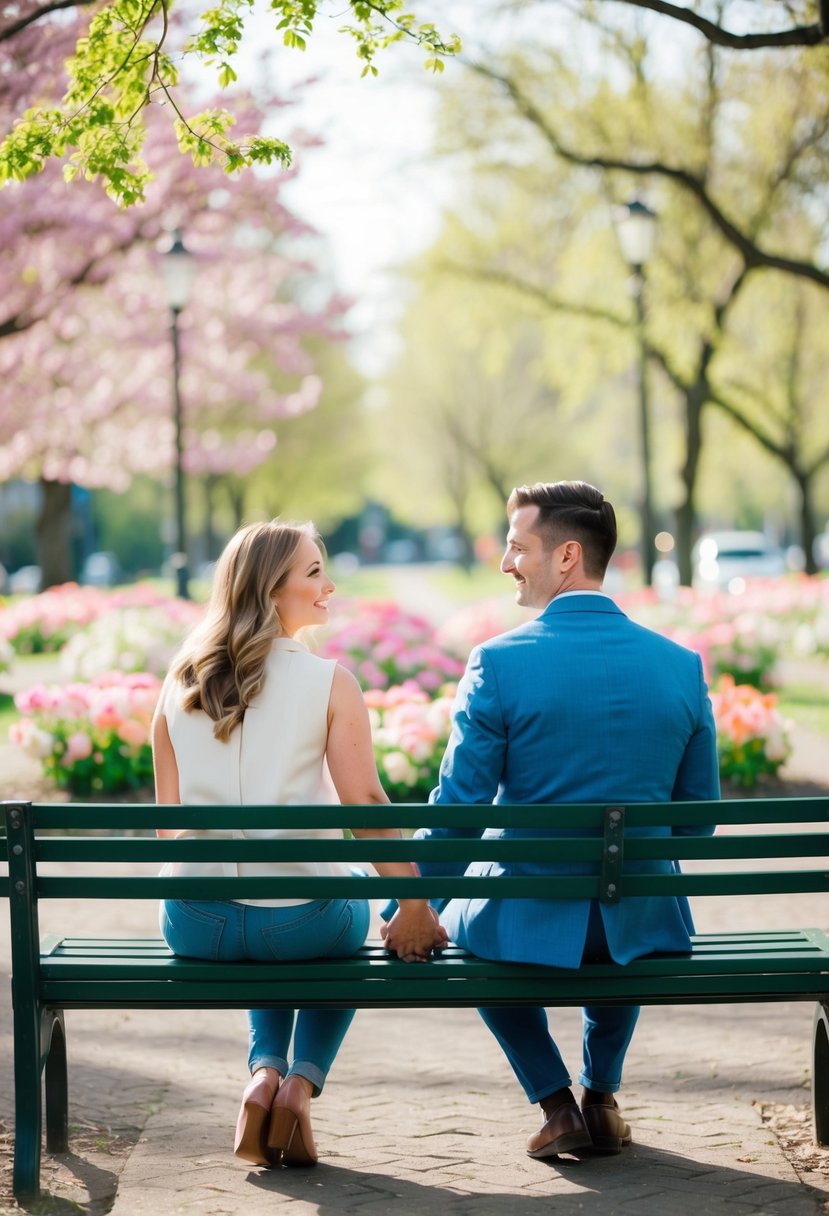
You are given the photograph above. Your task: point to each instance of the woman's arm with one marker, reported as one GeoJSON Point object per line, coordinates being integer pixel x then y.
{"type": "Point", "coordinates": [414, 931]}
{"type": "Point", "coordinates": [166, 770]}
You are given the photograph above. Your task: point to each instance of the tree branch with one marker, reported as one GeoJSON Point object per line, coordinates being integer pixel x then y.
{"type": "Point", "coordinates": [22, 23]}
{"type": "Point", "coordinates": [18, 322]}
{"type": "Point", "coordinates": [736, 414]}
{"type": "Point", "coordinates": [798, 35]}
{"type": "Point", "coordinates": [503, 279]}
{"type": "Point", "coordinates": [751, 253]}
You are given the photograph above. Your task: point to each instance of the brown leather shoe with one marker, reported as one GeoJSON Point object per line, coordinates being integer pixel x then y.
{"type": "Point", "coordinates": [564, 1132]}
{"type": "Point", "coordinates": [607, 1128]}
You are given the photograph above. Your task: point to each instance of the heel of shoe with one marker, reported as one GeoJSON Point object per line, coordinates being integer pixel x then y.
{"type": "Point", "coordinates": [285, 1138]}
{"type": "Point", "coordinates": [250, 1128]}
{"type": "Point", "coordinates": [283, 1128]}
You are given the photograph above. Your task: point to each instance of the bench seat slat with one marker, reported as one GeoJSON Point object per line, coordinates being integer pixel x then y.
{"type": "Point", "coordinates": [470, 992]}
{"type": "Point", "coordinates": [803, 952]}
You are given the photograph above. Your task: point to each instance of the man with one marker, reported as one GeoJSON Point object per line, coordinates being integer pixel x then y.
{"type": "Point", "coordinates": [579, 705]}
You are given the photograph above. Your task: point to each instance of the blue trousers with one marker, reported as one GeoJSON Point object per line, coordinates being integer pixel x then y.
{"type": "Point", "coordinates": [232, 932]}
{"type": "Point", "coordinates": [535, 1059]}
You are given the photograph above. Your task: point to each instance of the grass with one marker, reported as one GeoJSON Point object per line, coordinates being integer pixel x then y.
{"type": "Point", "coordinates": [467, 586]}
{"type": "Point", "coordinates": [807, 705]}
{"type": "Point", "coordinates": [366, 583]}
{"type": "Point", "coordinates": [8, 714]}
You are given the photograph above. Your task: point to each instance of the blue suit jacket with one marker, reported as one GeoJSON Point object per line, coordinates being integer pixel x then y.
{"type": "Point", "coordinates": [580, 705]}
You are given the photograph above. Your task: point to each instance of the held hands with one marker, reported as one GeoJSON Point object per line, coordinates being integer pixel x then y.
{"type": "Point", "coordinates": [414, 932]}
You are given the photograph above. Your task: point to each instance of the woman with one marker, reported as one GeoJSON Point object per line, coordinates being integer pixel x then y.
{"type": "Point", "coordinates": [248, 715]}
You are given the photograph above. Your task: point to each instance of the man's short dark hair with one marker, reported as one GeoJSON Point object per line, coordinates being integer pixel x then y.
{"type": "Point", "coordinates": [571, 510]}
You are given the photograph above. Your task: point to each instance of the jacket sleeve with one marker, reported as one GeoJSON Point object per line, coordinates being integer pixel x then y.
{"type": "Point", "coordinates": [698, 777]}
{"type": "Point", "coordinates": [470, 771]}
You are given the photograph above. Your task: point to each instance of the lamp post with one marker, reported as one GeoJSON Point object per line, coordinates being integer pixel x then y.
{"type": "Point", "coordinates": [636, 226]}
{"type": "Point", "coordinates": [179, 270]}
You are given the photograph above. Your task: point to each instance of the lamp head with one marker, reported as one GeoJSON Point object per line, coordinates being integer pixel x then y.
{"type": "Point", "coordinates": [179, 268]}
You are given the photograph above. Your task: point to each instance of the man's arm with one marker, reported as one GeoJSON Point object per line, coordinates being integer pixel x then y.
{"type": "Point", "coordinates": [698, 777]}
{"type": "Point", "coordinates": [471, 768]}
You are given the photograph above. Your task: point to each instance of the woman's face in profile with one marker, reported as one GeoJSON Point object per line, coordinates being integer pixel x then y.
{"type": "Point", "coordinates": [303, 598]}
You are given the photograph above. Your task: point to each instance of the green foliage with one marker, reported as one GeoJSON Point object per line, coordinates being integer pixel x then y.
{"type": "Point", "coordinates": [111, 768]}
{"type": "Point", "coordinates": [121, 66]}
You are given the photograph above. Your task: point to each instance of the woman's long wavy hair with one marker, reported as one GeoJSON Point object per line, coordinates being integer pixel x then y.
{"type": "Point", "coordinates": [222, 664]}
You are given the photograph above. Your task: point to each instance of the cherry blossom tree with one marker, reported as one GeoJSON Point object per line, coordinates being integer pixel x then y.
{"type": "Point", "coordinates": [85, 353]}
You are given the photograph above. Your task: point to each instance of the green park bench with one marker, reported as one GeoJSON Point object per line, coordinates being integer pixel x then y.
{"type": "Point", "coordinates": [56, 974]}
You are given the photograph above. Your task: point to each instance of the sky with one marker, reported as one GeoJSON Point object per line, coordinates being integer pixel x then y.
{"type": "Point", "coordinates": [372, 189]}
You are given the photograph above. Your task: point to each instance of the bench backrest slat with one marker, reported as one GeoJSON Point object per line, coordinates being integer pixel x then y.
{"type": "Point", "coordinates": [604, 843]}
{"type": "Point", "coordinates": [585, 886]}
{"type": "Point", "coordinates": [414, 815]}
{"type": "Point", "coordinates": [130, 850]}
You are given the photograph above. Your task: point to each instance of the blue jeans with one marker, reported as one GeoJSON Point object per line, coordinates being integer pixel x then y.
{"type": "Point", "coordinates": [532, 1052]}
{"type": "Point", "coordinates": [231, 932]}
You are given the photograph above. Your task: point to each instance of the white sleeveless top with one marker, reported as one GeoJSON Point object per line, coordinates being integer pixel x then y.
{"type": "Point", "coordinates": [275, 756]}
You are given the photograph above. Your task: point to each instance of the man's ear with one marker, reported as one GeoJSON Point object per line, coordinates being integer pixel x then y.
{"type": "Point", "coordinates": [570, 554]}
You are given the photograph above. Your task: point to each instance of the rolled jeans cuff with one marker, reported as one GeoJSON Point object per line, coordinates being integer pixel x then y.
{"type": "Point", "coordinates": [277, 1062]}
{"type": "Point", "coordinates": [599, 1087]}
{"type": "Point", "coordinates": [304, 1068]}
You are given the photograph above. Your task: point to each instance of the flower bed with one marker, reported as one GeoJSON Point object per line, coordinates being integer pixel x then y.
{"type": "Point", "coordinates": [385, 646]}
{"type": "Point", "coordinates": [410, 732]}
{"type": "Point", "coordinates": [745, 635]}
{"type": "Point", "coordinates": [477, 623]}
{"type": "Point", "coordinates": [129, 639]}
{"type": "Point", "coordinates": [44, 623]}
{"type": "Point", "coordinates": [752, 736]}
{"type": "Point", "coordinates": [91, 738]}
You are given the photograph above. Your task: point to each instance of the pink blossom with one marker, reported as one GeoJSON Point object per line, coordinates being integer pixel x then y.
{"type": "Point", "coordinates": [78, 747]}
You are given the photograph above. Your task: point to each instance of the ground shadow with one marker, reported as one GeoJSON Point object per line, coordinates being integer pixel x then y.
{"type": "Point", "coordinates": [641, 1180]}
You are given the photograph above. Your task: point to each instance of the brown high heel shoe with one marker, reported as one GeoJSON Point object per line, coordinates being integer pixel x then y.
{"type": "Point", "coordinates": [252, 1125]}
{"type": "Point", "coordinates": [290, 1136]}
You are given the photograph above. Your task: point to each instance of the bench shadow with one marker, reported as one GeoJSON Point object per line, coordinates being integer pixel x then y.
{"type": "Point", "coordinates": [661, 1180]}
{"type": "Point", "coordinates": [100, 1184]}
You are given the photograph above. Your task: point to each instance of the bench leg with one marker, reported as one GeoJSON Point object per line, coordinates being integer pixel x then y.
{"type": "Point", "coordinates": [28, 1108]}
{"type": "Point", "coordinates": [53, 1050]}
{"type": "Point", "coordinates": [820, 1074]}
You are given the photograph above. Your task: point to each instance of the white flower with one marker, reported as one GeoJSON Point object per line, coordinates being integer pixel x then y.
{"type": "Point", "coordinates": [34, 741]}
{"type": "Point", "coordinates": [777, 745]}
{"type": "Point", "coordinates": [398, 769]}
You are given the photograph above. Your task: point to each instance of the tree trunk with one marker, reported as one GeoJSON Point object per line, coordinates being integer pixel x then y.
{"type": "Point", "coordinates": [686, 514]}
{"type": "Point", "coordinates": [53, 533]}
{"type": "Point", "coordinates": [808, 525]}
{"type": "Point", "coordinates": [235, 490]}
{"type": "Point", "coordinates": [211, 545]}
{"type": "Point", "coordinates": [467, 555]}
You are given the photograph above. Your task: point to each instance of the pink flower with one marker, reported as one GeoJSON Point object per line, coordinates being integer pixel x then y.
{"type": "Point", "coordinates": [78, 747]}
{"type": "Point", "coordinates": [135, 734]}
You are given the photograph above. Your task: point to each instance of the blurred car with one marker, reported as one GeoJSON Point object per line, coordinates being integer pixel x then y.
{"type": "Point", "coordinates": [724, 561]}
{"type": "Point", "coordinates": [821, 549]}
{"type": "Point", "coordinates": [25, 581]}
{"type": "Point", "coordinates": [101, 570]}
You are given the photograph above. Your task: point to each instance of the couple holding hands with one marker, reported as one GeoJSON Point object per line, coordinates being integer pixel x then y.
{"type": "Point", "coordinates": [578, 705]}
